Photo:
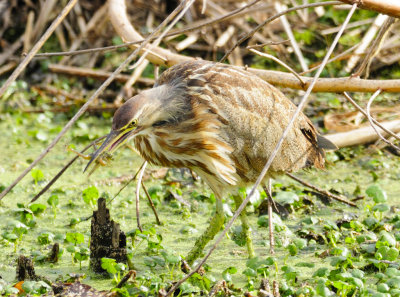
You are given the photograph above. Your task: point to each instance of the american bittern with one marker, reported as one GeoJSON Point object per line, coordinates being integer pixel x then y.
{"type": "Point", "coordinates": [221, 122]}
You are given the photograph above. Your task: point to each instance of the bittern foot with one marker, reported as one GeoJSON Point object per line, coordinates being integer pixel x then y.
{"type": "Point", "coordinates": [215, 225]}
{"type": "Point", "coordinates": [245, 227]}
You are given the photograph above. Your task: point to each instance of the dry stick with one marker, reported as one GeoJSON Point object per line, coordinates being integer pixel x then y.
{"type": "Point", "coordinates": [267, 44]}
{"type": "Point", "coordinates": [389, 7]}
{"type": "Point", "coordinates": [375, 48]}
{"type": "Point", "coordinates": [141, 172]}
{"type": "Point", "coordinates": [372, 123]}
{"type": "Point", "coordinates": [28, 31]}
{"type": "Point", "coordinates": [365, 42]}
{"type": "Point", "coordinates": [36, 48]}
{"type": "Point", "coordinates": [7, 67]}
{"type": "Point", "coordinates": [267, 190]}
{"type": "Point", "coordinates": [366, 115]}
{"type": "Point", "coordinates": [90, 100]}
{"type": "Point", "coordinates": [151, 203]}
{"type": "Point", "coordinates": [61, 172]}
{"type": "Point", "coordinates": [291, 70]}
{"type": "Point", "coordinates": [114, 47]}
{"type": "Point", "coordinates": [98, 74]}
{"type": "Point", "coordinates": [349, 50]}
{"type": "Point", "coordinates": [286, 26]}
{"type": "Point", "coordinates": [274, 17]}
{"type": "Point", "coordinates": [319, 190]}
{"type": "Point", "coordinates": [272, 156]}
{"type": "Point", "coordinates": [350, 26]}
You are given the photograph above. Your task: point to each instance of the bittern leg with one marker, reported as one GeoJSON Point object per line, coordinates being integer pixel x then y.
{"type": "Point", "coordinates": [245, 226]}
{"type": "Point", "coordinates": [267, 190]}
{"type": "Point", "coordinates": [215, 225]}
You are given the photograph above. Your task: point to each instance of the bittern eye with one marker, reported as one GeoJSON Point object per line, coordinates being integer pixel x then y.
{"type": "Point", "coordinates": [159, 123]}
{"type": "Point", "coordinates": [132, 124]}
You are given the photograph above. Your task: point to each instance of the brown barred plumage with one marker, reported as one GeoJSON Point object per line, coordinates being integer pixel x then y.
{"type": "Point", "coordinates": [218, 120]}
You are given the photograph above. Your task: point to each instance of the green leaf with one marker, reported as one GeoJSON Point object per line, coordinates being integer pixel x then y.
{"type": "Point", "coordinates": [227, 273]}
{"type": "Point", "coordinates": [376, 193]}
{"type": "Point", "coordinates": [75, 238]}
{"type": "Point", "coordinates": [249, 272]}
{"type": "Point", "coordinates": [90, 195]}
{"type": "Point", "coordinates": [292, 249]}
{"type": "Point", "coordinates": [286, 197]}
{"type": "Point", "coordinates": [53, 200]}
{"type": "Point", "coordinates": [387, 238]}
{"type": "Point", "coordinates": [381, 207]}
{"type": "Point", "coordinates": [37, 208]}
{"type": "Point", "coordinates": [321, 272]}
{"type": "Point", "coordinates": [305, 264]}
{"type": "Point", "coordinates": [45, 238]}
{"type": "Point", "coordinates": [109, 264]}
{"type": "Point", "coordinates": [37, 175]}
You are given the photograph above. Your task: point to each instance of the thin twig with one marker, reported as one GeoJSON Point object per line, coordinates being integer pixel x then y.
{"type": "Point", "coordinates": [126, 278]}
{"type": "Point", "coordinates": [141, 172]}
{"type": "Point", "coordinates": [61, 172]}
{"type": "Point", "coordinates": [286, 26]}
{"type": "Point", "coordinates": [267, 44]}
{"type": "Point", "coordinates": [90, 100]}
{"type": "Point", "coordinates": [274, 17]}
{"type": "Point", "coordinates": [271, 158]}
{"type": "Point", "coordinates": [268, 56]}
{"type": "Point", "coordinates": [372, 122]}
{"type": "Point", "coordinates": [366, 115]}
{"type": "Point", "coordinates": [321, 191]}
{"type": "Point", "coordinates": [343, 54]}
{"type": "Point", "coordinates": [36, 48]}
{"type": "Point", "coordinates": [151, 203]}
{"type": "Point", "coordinates": [375, 47]}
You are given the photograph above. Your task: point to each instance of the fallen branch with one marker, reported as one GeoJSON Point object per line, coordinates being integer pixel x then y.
{"type": "Point", "coordinates": [321, 191]}
{"type": "Point", "coordinates": [389, 7]}
{"type": "Point", "coordinates": [361, 135]}
{"type": "Point", "coordinates": [99, 74]}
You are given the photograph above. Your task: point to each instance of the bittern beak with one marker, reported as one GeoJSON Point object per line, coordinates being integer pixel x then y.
{"type": "Point", "coordinates": [113, 141]}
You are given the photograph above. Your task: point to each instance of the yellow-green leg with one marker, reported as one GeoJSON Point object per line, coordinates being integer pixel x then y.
{"type": "Point", "coordinates": [245, 226]}
{"type": "Point", "coordinates": [215, 225]}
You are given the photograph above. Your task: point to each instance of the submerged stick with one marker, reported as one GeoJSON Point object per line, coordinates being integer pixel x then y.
{"type": "Point", "coordinates": [321, 191]}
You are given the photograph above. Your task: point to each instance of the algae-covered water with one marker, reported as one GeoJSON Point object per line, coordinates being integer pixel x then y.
{"type": "Point", "coordinates": [24, 136]}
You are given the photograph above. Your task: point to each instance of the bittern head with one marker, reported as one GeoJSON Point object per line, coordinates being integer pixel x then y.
{"type": "Point", "coordinates": [140, 115]}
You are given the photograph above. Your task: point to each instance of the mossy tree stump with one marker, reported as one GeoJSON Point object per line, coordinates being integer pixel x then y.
{"type": "Point", "coordinates": [107, 240]}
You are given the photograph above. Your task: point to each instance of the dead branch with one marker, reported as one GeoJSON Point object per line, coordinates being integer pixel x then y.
{"type": "Point", "coordinates": [122, 25]}
{"type": "Point", "coordinates": [361, 135]}
{"type": "Point", "coordinates": [389, 7]}
{"type": "Point", "coordinates": [99, 74]}
{"type": "Point", "coordinates": [350, 84]}
{"type": "Point", "coordinates": [321, 191]}
{"type": "Point", "coordinates": [372, 123]}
